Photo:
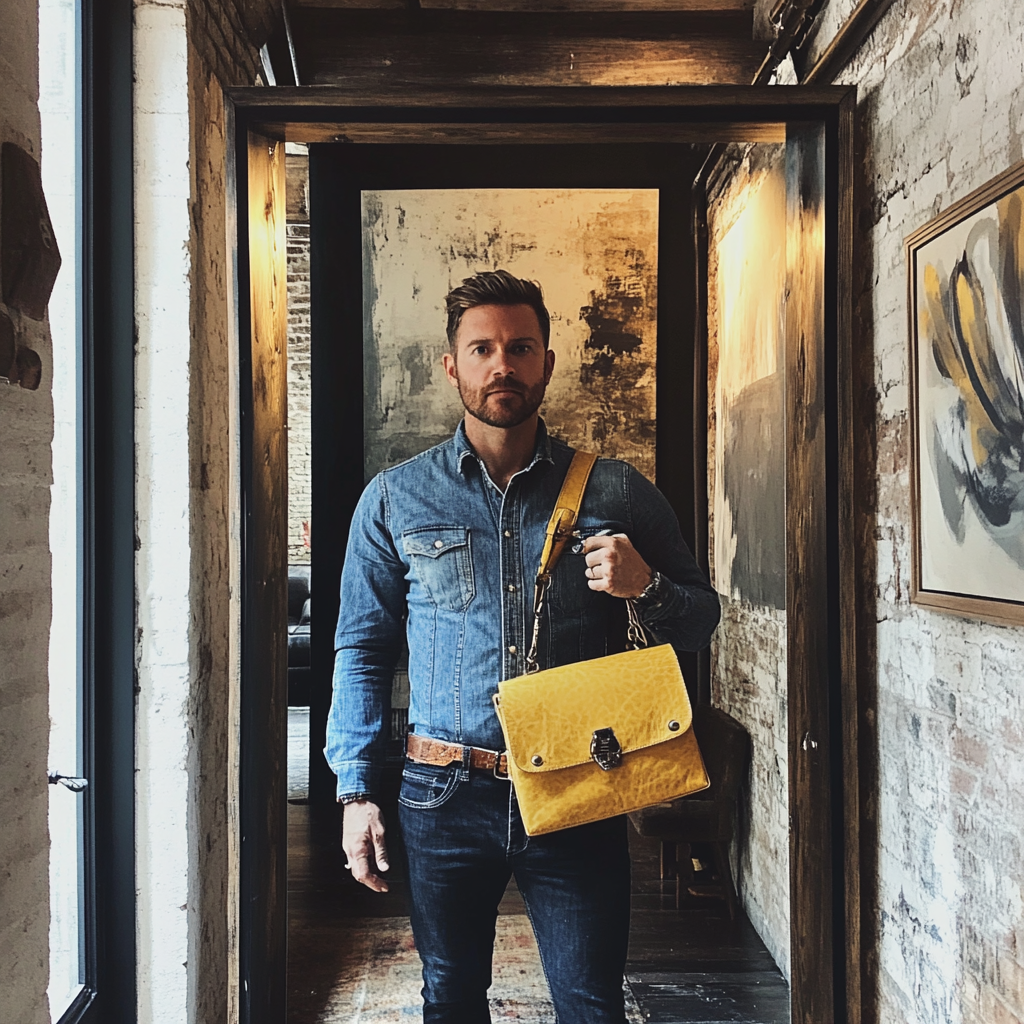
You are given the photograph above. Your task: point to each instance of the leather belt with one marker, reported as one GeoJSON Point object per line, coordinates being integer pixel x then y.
{"type": "Point", "coordinates": [427, 750]}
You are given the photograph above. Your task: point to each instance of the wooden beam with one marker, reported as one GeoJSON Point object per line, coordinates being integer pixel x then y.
{"type": "Point", "coordinates": [536, 6]}
{"type": "Point", "coordinates": [425, 48]}
{"type": "Point", "coordinates": [645, 103]}
{"type": "Point", "coordinates": [587, 6]}
{"type": "Point", "coordinates": [546, 134]}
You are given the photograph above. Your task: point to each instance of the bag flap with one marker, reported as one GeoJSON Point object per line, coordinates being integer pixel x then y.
{"type": "Point", "coordinates": [549, 718]}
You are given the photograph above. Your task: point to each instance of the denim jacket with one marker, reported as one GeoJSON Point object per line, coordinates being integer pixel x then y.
{"type": "Point", "coordinates": [438, 553]}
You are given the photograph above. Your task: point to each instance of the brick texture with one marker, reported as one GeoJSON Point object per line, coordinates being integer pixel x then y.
{"type": "Point", "coordinates": [300, 493]}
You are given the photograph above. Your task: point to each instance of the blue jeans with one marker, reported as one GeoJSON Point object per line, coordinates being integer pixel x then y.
{"type": "Point", "coordinates": [464, 839]}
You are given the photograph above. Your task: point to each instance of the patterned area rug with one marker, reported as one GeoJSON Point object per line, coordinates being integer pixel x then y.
{"type": "Point", "coordinates": [378, 977]}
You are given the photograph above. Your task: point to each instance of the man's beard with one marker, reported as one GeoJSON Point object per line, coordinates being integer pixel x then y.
{"type": "Point", "coordinates": [507, 411]}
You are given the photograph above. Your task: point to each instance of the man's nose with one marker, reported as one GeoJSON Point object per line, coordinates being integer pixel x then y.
{"type": "Point", "coordinates": [503, 366]}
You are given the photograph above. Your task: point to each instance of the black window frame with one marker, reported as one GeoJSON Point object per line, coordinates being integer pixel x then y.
{"type": "Point", "coordinates": [106, 386]}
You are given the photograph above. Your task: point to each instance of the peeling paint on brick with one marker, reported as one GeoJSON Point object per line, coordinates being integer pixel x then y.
{"type": "Point", "coordinates": [941, 110]}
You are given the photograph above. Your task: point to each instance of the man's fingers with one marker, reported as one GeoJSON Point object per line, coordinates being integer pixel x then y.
{"type": "Point", "coordinates": [362, 839]}
{"type": "Point", "coordinates": [380, 850]}
{"type": "Point", "coordinates": [363, 873]}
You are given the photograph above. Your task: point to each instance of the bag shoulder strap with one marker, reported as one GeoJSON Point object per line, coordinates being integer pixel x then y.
{"type": "Point", "coordinates": [560, 527]}
{"type": "Point", "coordinates": [567, 511]}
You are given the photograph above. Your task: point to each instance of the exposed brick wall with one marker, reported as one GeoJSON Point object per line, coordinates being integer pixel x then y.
{"type": "Point", "coordinates": [221, 43]}
{"type": "Point", "coordinates": [941, 107]}
{"type": "Point", "coordinates": [228, 34]}
{"type": "Point", "coordinates": [940, 112]}
{"type": "Point", "coordinates": [25, 477]}
{"type": "Point", "coordinates": [299, 426]}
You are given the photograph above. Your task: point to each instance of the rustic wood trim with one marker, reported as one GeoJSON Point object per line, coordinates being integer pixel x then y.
{"type": "Point", "coordinates": [819, 985]}
{"type": "Point", "coordinates": [263, 337]}
{"type": "Point", "coordinates": [435, 49]}
{"type": "Point", "coordinates": [1001, 612]}
{"type": "Point", "coordinates": [573, 6]}
{"type": "Point", "coordinates": [847, 41]}
{"type": "Point", "coordinates": [693, 103]}
{"type": "Point", "coordinates": [553, 133]}
{"type": "Point", "coordinates": [810, 672]}
{"type": "Point", "coordinates": [854, 792]}
{"type": "Point", "coordinates": [626, 7]}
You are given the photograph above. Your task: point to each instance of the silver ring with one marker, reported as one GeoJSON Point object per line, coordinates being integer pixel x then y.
{"type": "Point", "coordinates": [348, 867]}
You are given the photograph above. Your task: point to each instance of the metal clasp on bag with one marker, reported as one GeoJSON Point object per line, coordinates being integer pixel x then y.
{"type": "Point", "coordinates": [605, 749]}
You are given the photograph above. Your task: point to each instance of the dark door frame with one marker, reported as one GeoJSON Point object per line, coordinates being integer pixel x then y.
{"type": "Point", "coordinates": [825, 798]}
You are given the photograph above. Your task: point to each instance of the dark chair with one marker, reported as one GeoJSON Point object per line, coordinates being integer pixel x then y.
{"type": "Point", "coordinates": [707, 817]}
{"type": "Point", "coordinates": [298, 636]}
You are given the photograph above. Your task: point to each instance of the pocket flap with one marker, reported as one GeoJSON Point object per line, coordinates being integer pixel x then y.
{"type": "Point", "coordinates": [550, 718]}
{"type": "Point", "coordinates": [434, 541]}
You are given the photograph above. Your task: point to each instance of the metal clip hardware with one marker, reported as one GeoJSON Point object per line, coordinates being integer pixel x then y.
{"type": "Point", "coordinates": [605, 749]}
{"type": "Point", "coordinates": [76, 785]}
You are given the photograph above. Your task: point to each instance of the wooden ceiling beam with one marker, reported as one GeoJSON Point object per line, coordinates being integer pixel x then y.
{"type": "Point", "coordinates": [489, 133]}
{"type": "Point", "coordinates": [428, 49]}
{"type": "Point", "coordinates": [535, 6]}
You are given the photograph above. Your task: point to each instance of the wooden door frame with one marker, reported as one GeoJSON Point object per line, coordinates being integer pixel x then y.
{"type": "Point", "coordinates": [825, 699]}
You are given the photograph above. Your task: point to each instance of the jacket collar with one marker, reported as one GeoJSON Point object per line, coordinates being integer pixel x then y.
{"type": "Point", "coordinates": [464, 450]}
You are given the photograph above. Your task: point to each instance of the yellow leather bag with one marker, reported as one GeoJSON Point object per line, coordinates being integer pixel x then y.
{"type": "Point", "coordinates": [597, 738]}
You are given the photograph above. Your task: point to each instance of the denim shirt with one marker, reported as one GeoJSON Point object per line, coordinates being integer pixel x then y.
{"type": "Point", "coordinates": [437, 552]}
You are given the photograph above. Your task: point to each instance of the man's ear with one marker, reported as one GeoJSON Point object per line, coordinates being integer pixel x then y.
{"type": "Point", "coordinates": [549, 364]}
{"type": "Point", "coordinates": [451, 371]}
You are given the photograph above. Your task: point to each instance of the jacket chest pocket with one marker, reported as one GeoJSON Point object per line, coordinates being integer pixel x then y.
{"type": "Point", "coordinates": [442, 562]}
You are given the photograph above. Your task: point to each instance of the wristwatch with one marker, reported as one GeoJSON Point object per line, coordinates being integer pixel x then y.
{"type": "Point", "coordinates": [650, 592]}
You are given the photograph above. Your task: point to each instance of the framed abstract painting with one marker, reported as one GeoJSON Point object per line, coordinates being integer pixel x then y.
{"type": "Point", "coordinates": [966, 306]}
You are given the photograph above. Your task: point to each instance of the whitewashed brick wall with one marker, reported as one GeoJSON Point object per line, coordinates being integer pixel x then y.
{"type": "Point", "coordinates": [941, 111]}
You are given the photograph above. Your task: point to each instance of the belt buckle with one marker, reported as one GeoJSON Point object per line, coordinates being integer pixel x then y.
{"type": "Point", "coordinates": [499, 754]}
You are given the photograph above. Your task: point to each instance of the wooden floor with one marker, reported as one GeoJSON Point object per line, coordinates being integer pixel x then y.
{"type": "Point", "coordinates": [351, 956]}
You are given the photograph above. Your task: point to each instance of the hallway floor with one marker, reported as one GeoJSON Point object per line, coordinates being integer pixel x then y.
{"type": "Point", "coordinates": [352, 959]}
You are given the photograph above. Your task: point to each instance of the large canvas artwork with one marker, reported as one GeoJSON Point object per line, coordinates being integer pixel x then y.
{"type": "Point", "coordinates": [595, 254]}
{"type": "Point", "coordinates": [967, 328]}
{"type": "Point", "coordinates": [750, 467]}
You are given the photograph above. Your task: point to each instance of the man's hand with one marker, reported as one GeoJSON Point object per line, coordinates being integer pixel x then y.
{"type": "Point", "coordinates": [614, 566]}
{"type": "Point", "coordinates": [362, 839]}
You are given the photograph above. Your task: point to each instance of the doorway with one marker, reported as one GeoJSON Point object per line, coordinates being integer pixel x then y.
{"type": "Point", "coordinates": [822, 693]}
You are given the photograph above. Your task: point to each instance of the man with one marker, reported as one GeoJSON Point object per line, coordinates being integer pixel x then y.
{"type": "Point", "coordinates": [444, 548]}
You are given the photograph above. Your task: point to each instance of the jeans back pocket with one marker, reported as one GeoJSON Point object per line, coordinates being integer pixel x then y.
{"type": "Point", "coordinates": [442, 563]}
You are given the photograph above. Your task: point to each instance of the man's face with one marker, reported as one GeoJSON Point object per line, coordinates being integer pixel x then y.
{"type": "Point", "coordinates": [500, 365]}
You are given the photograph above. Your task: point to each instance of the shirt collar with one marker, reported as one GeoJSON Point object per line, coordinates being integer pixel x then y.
{"type": "Point", "coordinates": [464, 450]}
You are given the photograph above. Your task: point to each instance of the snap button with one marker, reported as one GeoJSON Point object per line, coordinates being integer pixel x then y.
{"type": "Point", "coordinates": [438, 543]}
{"type": "Point", "coordinates": [508, 533]}
{"type": "Point", "coordinates": [512, 649]}
{"type": "Point", "coordinates": [536, 760]}
{"type": "Point", "coordinates": [511, 588]}
{"type": "Point", "coordinates": [673, 726]}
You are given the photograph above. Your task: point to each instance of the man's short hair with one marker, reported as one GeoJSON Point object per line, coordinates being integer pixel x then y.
{"type": "Point", "coordinates": [495, 288]}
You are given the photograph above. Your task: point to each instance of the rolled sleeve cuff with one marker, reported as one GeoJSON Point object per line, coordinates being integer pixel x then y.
{"type": "Point", "coordinates": [357, 778]}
